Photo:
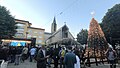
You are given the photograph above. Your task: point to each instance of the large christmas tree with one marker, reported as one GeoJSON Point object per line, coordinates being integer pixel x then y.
{"type": "Point", "coordinates": [96, 38]}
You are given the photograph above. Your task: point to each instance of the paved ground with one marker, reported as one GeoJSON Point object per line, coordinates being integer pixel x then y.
{"type": "Point", "coordinates": [102, 66]}
{"type": "Point", "coordinates": [28, 64]}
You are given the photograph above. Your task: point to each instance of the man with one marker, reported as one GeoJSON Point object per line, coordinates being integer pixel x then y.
{"type": "Point", "coordinates": [17, 56]}
{"type": "Point", "coordinates": [24, 53]}
{"type": "Point", "coordinates": [32, 53]}
{"type": "Point", "coordinates": [111, 56]}
{"type": "Point", "coordinates": [12, 53]}
{"type": "Point", "coordinates": [56, 57]}
{"type": "Point", "coordinates": [50, 52]}
{"type": "Point", "coordinates": [41, 57]}
{"type": "Point", "coordinates": [70, 58]}
{"type": "Point", "coordinates": [62, 54]}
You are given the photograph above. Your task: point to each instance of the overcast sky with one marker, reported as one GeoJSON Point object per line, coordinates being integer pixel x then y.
{"type": "Point", "coordinates": [76, 13]}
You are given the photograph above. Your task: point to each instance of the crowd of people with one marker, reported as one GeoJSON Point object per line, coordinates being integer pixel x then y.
{"type": "Point", "coordinates": [42, 55]}
{"type": "Point", "coordinates": [68, 57]}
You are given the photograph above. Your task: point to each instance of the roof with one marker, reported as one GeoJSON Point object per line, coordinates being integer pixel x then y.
{"type": "Point", "coordinates": [67, 41]}
{"type": "Point", "coordinates": [36, 28]}
{"type": "Point", "coordinates": [71, 34]}
{"type": "Point", "coordinates": [21, 20]}
{"type": "Point", "coordinates": [58, 31]}
{"type": "Point", "coordinates": [54, 21]}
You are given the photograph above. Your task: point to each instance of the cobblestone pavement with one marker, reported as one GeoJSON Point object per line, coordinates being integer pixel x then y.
{"type": "Point", "coordinates": [28, 64]}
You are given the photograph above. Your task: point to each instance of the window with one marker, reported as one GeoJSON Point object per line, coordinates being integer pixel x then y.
{"type": "Point", "coordinates": [20, 30]}
{"type": "Point", "coordinates": [35, 32]}
{"type": "Point", "coordinates": [29, 36]}
{"type": "Point", "coordinates": [20, 25]}
{"type": "Point", "coordinates": [39, 41]}
{"type": "Point", "coordinates": [35, 36]}
{"type": "Point", "coordinates": [30, 31]}
{"type": "Point", "coordinates": [40, 32]}
{"type": "Point", "coordinates": [40, 37]}
{"type": "Point", "coordinates": [66, 35]}
{"type": "Point", "coordinates": [19, 35]}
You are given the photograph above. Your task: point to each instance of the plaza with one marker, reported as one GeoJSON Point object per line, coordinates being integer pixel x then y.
{"type": "Point", "coordinates": [59, 34]}
{"type": "Point", "coordinates": [28, 64]}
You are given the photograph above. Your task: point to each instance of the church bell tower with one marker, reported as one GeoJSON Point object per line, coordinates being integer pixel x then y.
{"type": "Point", "coordinates": [54, 26]}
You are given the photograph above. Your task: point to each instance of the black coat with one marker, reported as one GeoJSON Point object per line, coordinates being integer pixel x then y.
{"type": "Point", "coordinates": [56, 54]}
{"type": "Point", "coordinates": [41, 60]}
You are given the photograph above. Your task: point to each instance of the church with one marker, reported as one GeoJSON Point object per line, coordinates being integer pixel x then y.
{"type": "Point", "coordinates": [58, 36]}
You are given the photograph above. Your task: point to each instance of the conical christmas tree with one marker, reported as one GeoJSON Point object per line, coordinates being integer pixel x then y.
{"type": "Point", "coordinates": [96, 36]}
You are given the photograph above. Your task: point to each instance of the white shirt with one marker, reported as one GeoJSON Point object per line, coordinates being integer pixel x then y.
{"type": "Point", "coordinates": [77, 65]}
{"type": "Point", "coordinates": [32, 51]}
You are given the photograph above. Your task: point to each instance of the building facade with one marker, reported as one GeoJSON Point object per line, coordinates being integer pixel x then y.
{"type": "Point", "coordinates": [60, 34]}
{"type": "Point", "coordinates": [25, 31]}
{"type": "Point", "coordinates": [37, 33]}
{"type": "Point", "coordinates": [22, 26]}
{"type": "Point", "coordinates": [57, 35]}
{"type": "Point", "coordinates": [47, 35]}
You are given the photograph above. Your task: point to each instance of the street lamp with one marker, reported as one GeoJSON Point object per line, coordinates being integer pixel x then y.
{"type": "Point", "coordinates": [26, 34]}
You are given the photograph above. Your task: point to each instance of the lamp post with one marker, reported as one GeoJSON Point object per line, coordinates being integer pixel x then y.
{"type": "Point", "coordinates": [26, 34]}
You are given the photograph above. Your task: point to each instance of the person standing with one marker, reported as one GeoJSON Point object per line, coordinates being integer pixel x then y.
{"type": "Point", "coordinates": [56, 57]}
{"type": "Point", "coordinates": [32, 53]}
{"type": "Point", "coordinates": [62, 54]}
{"type": "Point", "coordinates": [70, 58]}
{"type": "Point", "coordinates": [77, 53]}
{"type": "Point", "coordinates": [41, 58]}
{"type": "Point", "coordinates": [13, 53]}
{"type": "Point", "coordinates": [111, 56]}
{"type": "Point", "coordinates": [50, 52]}
{"type": "Point", "coordinates": [17, 56]}
{"type": "Point", "coordinates": [24, 53]}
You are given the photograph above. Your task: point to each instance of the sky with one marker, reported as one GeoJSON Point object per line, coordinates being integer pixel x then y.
{"type": "Point", "coordinates": [76, 13]}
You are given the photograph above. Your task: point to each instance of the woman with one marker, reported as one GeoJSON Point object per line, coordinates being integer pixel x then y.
{"type": "Point", "coordinates": [111, 56]}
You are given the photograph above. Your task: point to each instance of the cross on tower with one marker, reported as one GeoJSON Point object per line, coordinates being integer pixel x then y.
{"type": "Point", "coordinates": [93, 13]}
{"type": "Point", "coordinates": [65, 23]}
